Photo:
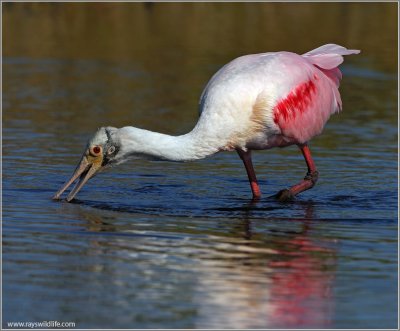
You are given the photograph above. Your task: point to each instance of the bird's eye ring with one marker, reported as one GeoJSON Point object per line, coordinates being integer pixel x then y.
{"type": "Point", "coordinates": [95, 150]}
{"type": "Point", "coordinates": [111, 150]}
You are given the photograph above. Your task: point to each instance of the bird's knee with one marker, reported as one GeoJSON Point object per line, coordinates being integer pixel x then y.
{"type": "Point", "coordinates": [312, 177]}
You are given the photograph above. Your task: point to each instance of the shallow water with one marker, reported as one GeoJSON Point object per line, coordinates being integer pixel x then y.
{"type": "Point", "coordinates": [170, 245]}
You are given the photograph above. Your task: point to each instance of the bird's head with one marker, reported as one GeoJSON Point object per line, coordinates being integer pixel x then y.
{"type": "Point", "coordinates": [102, 151]}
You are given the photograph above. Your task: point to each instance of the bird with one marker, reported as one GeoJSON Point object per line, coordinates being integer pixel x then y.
{"type": "Point", "coordinates": [255, 102]}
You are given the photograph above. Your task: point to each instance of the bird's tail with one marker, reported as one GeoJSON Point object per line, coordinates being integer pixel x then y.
{"type": "Point", "coordinates": [328, 58]}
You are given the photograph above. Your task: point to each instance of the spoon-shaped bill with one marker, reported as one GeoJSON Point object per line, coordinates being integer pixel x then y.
{"type": "Point", "coordinates": [83, 172]}
{"type": "Point", "coordinates": [84, 177]}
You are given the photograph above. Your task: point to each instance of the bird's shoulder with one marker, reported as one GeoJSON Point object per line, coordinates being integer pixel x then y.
{"type": "Point", "coordinates": [271, 74]}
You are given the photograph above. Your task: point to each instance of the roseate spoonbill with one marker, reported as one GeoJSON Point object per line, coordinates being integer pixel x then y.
{"type": "Point", "coordinates": [255, 102]}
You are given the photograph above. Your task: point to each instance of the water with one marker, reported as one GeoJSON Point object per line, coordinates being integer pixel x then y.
{"type": "Point", "coordinates": [170, 245]}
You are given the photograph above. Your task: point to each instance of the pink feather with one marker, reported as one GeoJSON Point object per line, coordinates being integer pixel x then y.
{"type": "Point", "coordinates": [328, 56]}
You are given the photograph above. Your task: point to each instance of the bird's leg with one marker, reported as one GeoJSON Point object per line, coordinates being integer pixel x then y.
{"type": "Point", "coordinates": [309, 180]}
{"type": "Point", "coordinates": [246, 158]}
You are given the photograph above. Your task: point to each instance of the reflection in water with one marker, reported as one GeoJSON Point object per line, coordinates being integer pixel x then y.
{"type": "Point", "coordinates": [289, 286]}
{"type": "Point", "coordinates": [282, 280]}
{"type": "Point", "coordinates": [302, 285]}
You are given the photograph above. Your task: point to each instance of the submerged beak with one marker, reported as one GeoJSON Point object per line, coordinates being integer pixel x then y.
{"type": "Point", "coordinates": [86, 169]}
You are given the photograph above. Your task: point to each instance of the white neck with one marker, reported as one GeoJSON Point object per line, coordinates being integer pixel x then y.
{"type": "Point", "coordinates": [143, 143]}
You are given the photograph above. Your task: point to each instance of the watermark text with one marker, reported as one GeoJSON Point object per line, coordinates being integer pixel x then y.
{"type": "Point", "coordinates": [41, 325]}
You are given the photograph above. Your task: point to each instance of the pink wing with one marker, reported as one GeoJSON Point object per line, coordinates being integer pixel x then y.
{"type": "Point", "coordinates": [302, 113]}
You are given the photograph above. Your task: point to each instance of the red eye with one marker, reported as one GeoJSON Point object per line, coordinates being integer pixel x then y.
{"type": "Point", "coordinates": [95, 150]}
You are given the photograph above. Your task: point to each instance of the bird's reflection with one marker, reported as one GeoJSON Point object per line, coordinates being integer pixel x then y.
{"type": "Point", "coordinates": [301, 281]}
{"type": "Point", "coordinates": [258, 273]}
{"type": "Point", "coordinates": [287, 286]}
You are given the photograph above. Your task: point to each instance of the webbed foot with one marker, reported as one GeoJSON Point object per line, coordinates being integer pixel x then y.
{"type": "Point", "coordinates": [285, 195]}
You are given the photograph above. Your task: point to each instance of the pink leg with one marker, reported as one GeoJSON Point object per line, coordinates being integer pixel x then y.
{"type": "Point", "coordinates": [246, 158]}
{"type": "Point", "coordinates": [309, 180]}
